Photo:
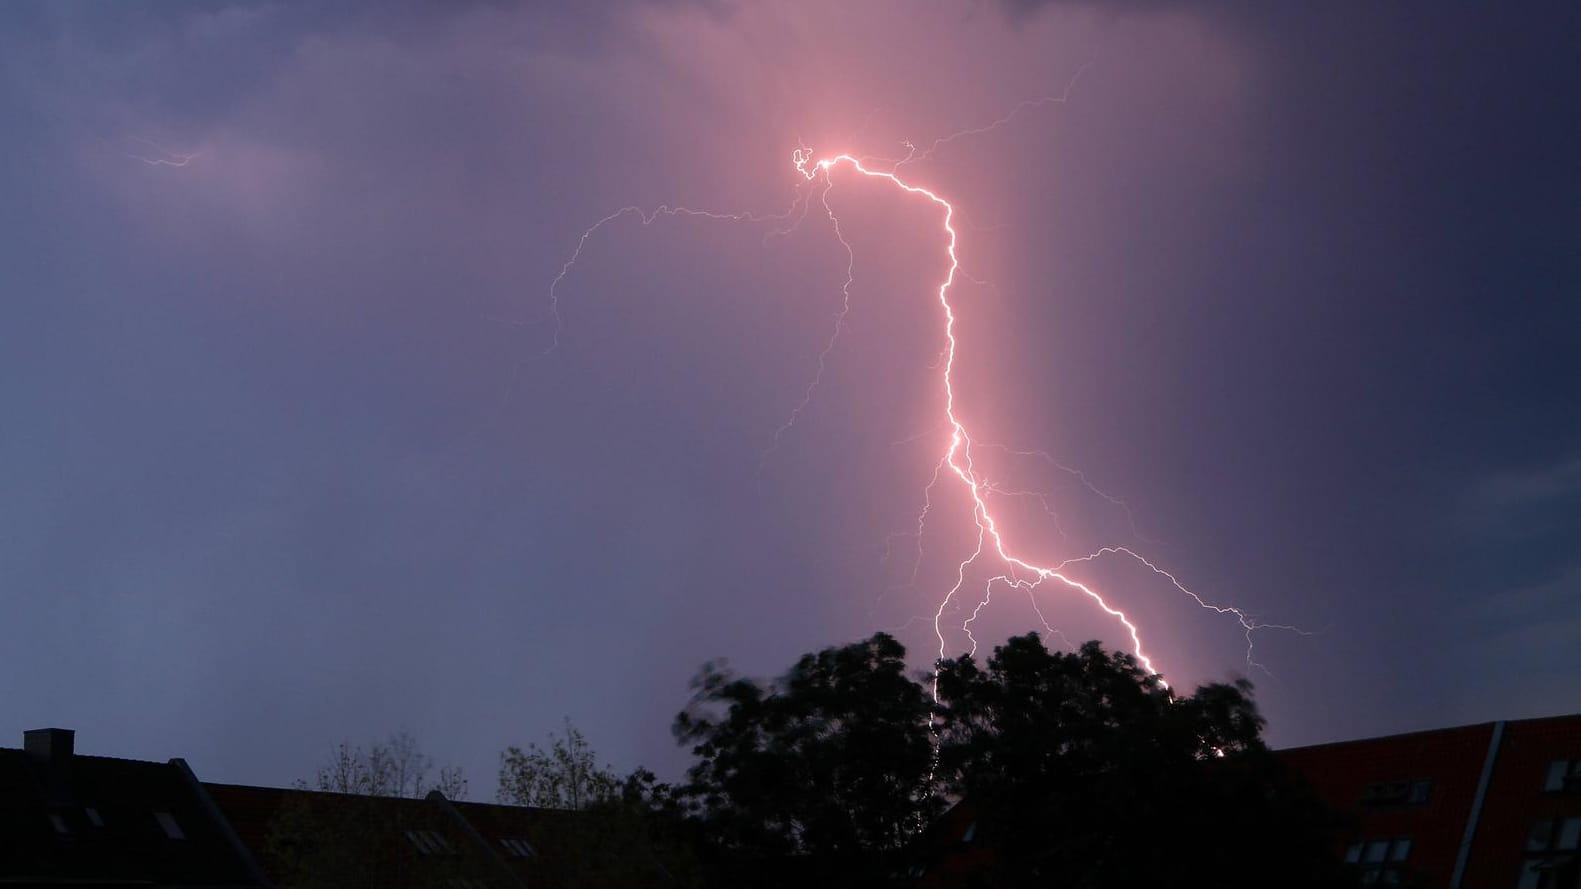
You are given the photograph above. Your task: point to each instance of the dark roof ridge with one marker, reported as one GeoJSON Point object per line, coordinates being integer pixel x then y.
{"type": "Point", "coordinates": [1371, 738]}
{"type": "Point", "coordinates": [312, 791]}
{"type": "Point", "coordinates": [95, 756]}
{"type": "Point", "coordinates": [1433, 731]}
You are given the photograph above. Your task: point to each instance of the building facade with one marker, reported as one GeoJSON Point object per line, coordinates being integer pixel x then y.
{"type": "Point", "coordinates": [73, 820]}
{"type": "Point", "coordinates": [1490, 806]}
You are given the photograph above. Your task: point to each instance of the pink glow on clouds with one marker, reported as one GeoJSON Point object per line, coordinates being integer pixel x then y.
{"type": "Point", "coordinates": [666, 83]}
{"type": "Point", "coordinates": [677, 102]}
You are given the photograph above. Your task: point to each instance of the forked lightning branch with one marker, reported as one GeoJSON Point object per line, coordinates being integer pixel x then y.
{"type": "Point", "coordinates": [988, 552]}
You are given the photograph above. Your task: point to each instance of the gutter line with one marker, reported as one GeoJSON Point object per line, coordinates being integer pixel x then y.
{"type": "Point", "coordinates": [1476, 805]}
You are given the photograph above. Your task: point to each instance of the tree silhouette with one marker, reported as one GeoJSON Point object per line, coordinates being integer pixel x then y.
{"type": "Point", "coordinates": [603, 831]}
{"type": "Point", "coordinates": [566, 776]}
{"type": "Point", "coordinates": [340, 830]}
{"type": "Point", "coordinates": [395, 767]}
{"type": "Point", "coordinates": [819, 775]}
{"type": "Point", "coordinates": [1086, 770]}
{"type": "Point", "coordinates": [1075, 769]}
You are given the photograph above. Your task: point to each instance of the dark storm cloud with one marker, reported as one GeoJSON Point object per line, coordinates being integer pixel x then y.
{"type": "Point", "coordinates": [1533, 487]}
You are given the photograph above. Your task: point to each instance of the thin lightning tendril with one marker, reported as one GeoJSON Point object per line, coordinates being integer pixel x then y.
{"type": "Point", "coordinates": [1078, 475]}
{"type": "Point", "coordinates": [1247, 622]}
{"type": "Point", "coordinates": [1041, 497]}
{"type": "Point", "coordinates": [915, 154]}
{"type": "Point", "coordinates": [647, 218]}
{"type": "Point", "coordinates": [165, 158]}
{"type": "Point", "coordinates": [834, 335]}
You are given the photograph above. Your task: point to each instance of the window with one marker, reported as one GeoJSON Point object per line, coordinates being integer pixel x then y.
{"type": "Point", "coordinates": [168, 822]}
{"type": "Point", "coordinates": [1539, 873]}
{"type": "Point", "coordinates": [1552, 862]}
{"type": "Point", "coordinates": [1382, 861]}
{"type": "Point", "coordinates": [1398, 793]}
{"type": "Point", "coordinates": [1563, 775]}
{"type": "Point", "coordinates": [518, 847]}
{"type": "Point", "coordinates": [971, 831]}
{"type": "Point", "coordinates": [429, 842]}
{"type": "Point", "coordinates": [58, 821]}
{"type": "Point", "coordinates": [93, 816]}
{"type": "Point", "coordinates": [1537, 836]}
{"type": "Point", "coordinates": [1420, 791]}
{"type": "Point", "coordinates": [1554, 835]}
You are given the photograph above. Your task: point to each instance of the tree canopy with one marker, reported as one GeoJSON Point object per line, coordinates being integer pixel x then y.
{"type": "Point", "coordinates": [1086, 768]}
{"type": "Point", "coordinates": [395, 767]}
{"type": "Point", "coordinates": [565, 776]}
{"type": "Point", "coordinates": [1073, 768]}
{"type": "Point", "coordinates": [608, 830]}
{"type": "Point", "coordinates": [1080, 767]}
{"type": "Point", "coordinates": [338, 831]}
{"type": "Point", "coordinates": [828, 764]}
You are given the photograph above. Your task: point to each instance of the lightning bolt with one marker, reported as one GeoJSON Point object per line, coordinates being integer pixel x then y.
{"type": "Point", "coordinates": [957, 460]}
{"type": "Point", "coordinates": [958, 457]}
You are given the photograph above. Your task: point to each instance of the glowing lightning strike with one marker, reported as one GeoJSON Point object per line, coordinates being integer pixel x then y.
{"type": "Point", "coordinates": [959, 455]}
{"type": "Point", "coordinates": [957, 458]}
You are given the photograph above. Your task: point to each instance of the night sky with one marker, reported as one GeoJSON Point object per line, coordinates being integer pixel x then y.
{"type": "Point", "coordinates": [286, 458]}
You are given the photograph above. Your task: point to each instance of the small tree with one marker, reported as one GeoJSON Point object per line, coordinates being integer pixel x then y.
{"type": "Point", "coordinates": [356, 838]}
{"type": "Point", "coordinates": [603, 830]}
{"type": "Point", "coordinates": [396, 767]}
{"type": "Point", "coordinates": [566, 776]}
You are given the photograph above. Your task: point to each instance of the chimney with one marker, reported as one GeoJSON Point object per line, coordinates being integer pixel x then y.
{"type": "Point", "coordinates": [51, 750]}
{"type": "Point", "coordinates": [46, 745]}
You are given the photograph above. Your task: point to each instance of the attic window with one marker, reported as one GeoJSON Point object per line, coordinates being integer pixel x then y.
{"type": "Point", "coordinates": [429, 842]}
{"type": "Point", "coordinates": [168, 822]}
{"type": "Point", "coordinates": [1398, 793]}
{"type": "Point", "coordinates": [1381, 861]}
{"type": "Point", "coordinates": [93, 816]}
{"type": "Point", "coordinates": [1554, 834]}
{"type": "Point", "coordinates": [971, 831]}
{"type": "Point", "coordinates": [519, 848]}
{"type": "Point", "coordinates": [1563, 774]}
{"type": "Point", "coordinates": [1551, 847]}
